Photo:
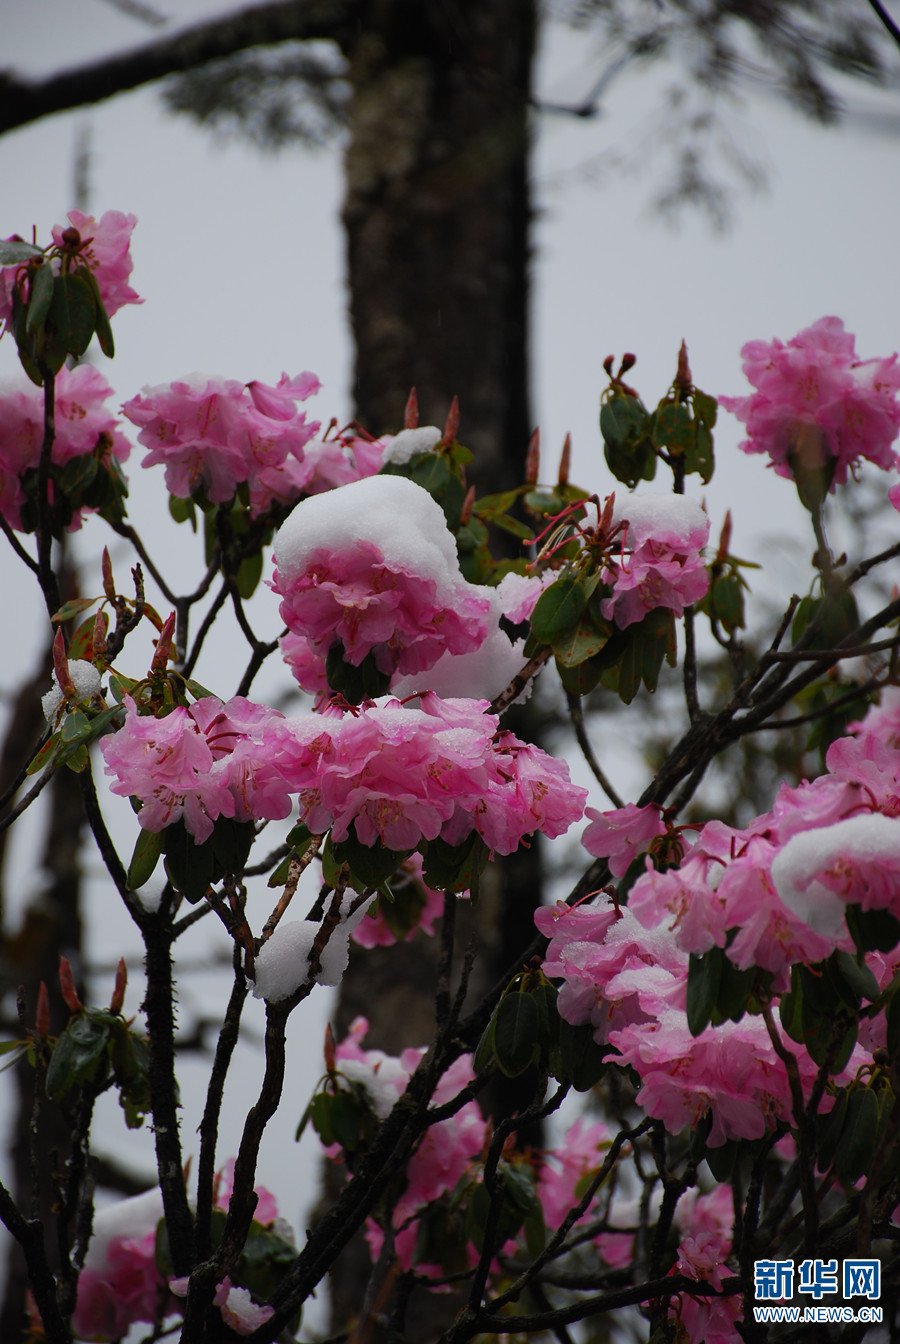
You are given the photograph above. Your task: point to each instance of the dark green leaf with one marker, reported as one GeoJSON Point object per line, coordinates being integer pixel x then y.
{"type": "Point", "coordinates": [75, 727]}
{"type": "Point", "coordinates": [15, 251]}
{"type": "Point", "coordinates": [705, 408]}
{"type": "Point", "coordinates": [872, 930]}
{"type": "Point", "coordinates": [558, 610]}
{"type": "Point", "coordinates": [355, 683]}
{"type": "Point", "coordinates": [704, 974]}
{"type": "Point", "coordinates": [370, 864]}
{"type": "Point", "coordinates": [454, 867]}
{"type": "Point", "coordinates": [249, 574]}
{"type": "Point", "coordinates": [193, 868]}
{"type": "Point", "coordinates": [673, 428]}
{"type": "Point", "coordinates": [147, 851]}
{"type": "Point", "coordinates": [45, 756]}
{"type": "Point", "coordinates": [582, 643]}
{"type": "Point", "coordinates": [75, 1055]}
{"type": "Point", "coordinates": [853, 1157]}
{"type": "Point", "coordinates": [40, 292]}
{"type": "Point", "coordinates": [699, 457]}
{"type": "Point", "coordinates": [101, 317]}
{"type": "Point", "coordinates": [830, 1128]}
{"type": "Point", "coordinates": [72, 315]}
{"type": "Point", "coordinates": [516, 1033]}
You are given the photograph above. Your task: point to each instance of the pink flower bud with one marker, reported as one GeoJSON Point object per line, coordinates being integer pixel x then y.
{"type": "Point", "coordinates": [468, 505]}
{"type": "Point", "coordinates": [118, 994]}
{"type": "Point", "coordinates": [565, 461]}
{"type": "Point", "coordinates": [533, 459]}
{"type": "Point", "coordinates": [724, 539]}
{"type": "Point", "coordinates": [683, 380]}
{"type": "Point", "coordinates": [67, 985]}
{"type": "Point", "coordinates": [452, 423]}
{"type": "Point", "coordinates": [98, 635]}
{"type": "Point", "coordinates": [411, 414]}
{"type": "Point", "coordinates": [42, 1019]}
{"type": "Point", "coordinates": [329, 1049]}
{"type": "Point", "coordinates": [109, 583]}
{"type": "Point", "coordinates": [61, 666]}
{"type": "Point", "coordinates": [164, 645]}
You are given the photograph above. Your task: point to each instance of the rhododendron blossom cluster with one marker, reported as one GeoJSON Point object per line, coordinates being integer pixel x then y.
{"type": "Point", "coordinates": [399, 774]}
{"type": "Point", "coordinates": [817, 404]}
{"type": "Point", "coordinates": [102, 246]}
{"type": "Point", "coordinates": [84, 424]}
{"type": "Point", "coordinates": [215, 435]}
{"type": "Point", "coordinates": [375, 567]}
{"type": "Point", "coordinates": [197, 764]}
{"type": "Point", "coordinates": [661, 564]}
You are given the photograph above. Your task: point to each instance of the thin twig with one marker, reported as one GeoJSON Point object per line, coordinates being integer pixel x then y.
{"type": "Point", "coordinates": [576, 713]}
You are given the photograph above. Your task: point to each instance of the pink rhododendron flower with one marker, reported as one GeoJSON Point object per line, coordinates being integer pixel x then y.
{"type": "Point", "coordinates": [448, 1148]}
{"type": "Point", "coordinates": [816, 402]}
{"type": "Point", "coordinates": [211, 760]}
{"type": "Point", "coordinates": [83, 425]}
{"type": "Point", "coordinates": [105, 246]}
{"type": "Point", "coordinates": [120, 1283]}
{"type": "Point", "coordinates": [854, 862]}
{"type": "Point", "coordinates": [665, 536]}
{"type": "Point", "coordinates": [214, 435]}
{"type": "Point", "coordinates": [615, 971]}
{"type": "Point", "coordinates": [375, 567]}
{"type": "Point", "coordinates": [400, 774]}
{"type": "Point", "coordinates": [266, 1210]}
{"type": "Point", "coordinates": [621, 834]}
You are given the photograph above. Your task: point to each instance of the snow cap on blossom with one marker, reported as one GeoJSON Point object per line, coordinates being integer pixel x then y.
{"type": "Point", "coordinates": [120, 1283]}
{"type": "Point", "coordinates": [399, 448]}
{"type": "Point", "coordinates": [105, 246]}
{"type": "Point", "coordinates": [375, 566]}
{"type": "Point", "coordinates": [215, 434]}
{"type": "Point", "coordinates": [83, 425]}
{"type": "Point", "coordinates": [665, 536]}
{"type": "Point", "coordinates": [86, 680]}
{"type": "Point", "coordinates": [856, 861]}
{"type": "Point", "coordinates": [816, 404]}
{"type": "Point", "coordinates": [399, 774]}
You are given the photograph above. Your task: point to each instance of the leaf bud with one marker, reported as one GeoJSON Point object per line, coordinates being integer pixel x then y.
{"type": "Point", "coordinates": [118, 994]}
{"type": "Point", "coordinates": [42, 1018]}
{"type": "Point", "coordinates": [67, 985]}
{"type": "Point", "coordinates": [411, 413]}
{"type": "Point", "coordinates": [565, 461]}
{"type": "Point", "coordinates": [533, 459]}
{"type": "Point", "coordinates": [452, 423]}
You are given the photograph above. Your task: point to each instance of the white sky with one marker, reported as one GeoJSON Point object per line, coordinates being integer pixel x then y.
{"type": "Point", "coordinates": [240, 260]}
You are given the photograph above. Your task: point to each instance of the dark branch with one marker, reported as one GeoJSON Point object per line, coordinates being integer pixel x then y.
{"type": "Point", "coordinates": [23, 101]}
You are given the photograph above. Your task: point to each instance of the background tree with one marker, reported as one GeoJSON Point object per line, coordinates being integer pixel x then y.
{"type": "Point", "coordinates": [437, 210]}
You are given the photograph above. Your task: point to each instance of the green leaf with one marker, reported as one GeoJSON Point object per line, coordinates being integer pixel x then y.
{"type": "Point", "coordinates": [872, 930]}
{"type": "Point", "coordinates": [249, 574]}
{"type": "Point", "coordinates": [830, 1128]}
{"type": "Point", "coordinates": [76, 1054]}
{"type": "Point", "coordinates": [147, 851]}
{"type": "Point", "coordinates": [558, 610]}
{"type": "Point", "coordinates": [704, 974]}
{"type": "Point", "coordinates": [75, 727]}
{"type": "Point", "coordinates": [370, 864]}
{"type": "Point", "coordinates": [193, 868]}
{"type": "Point", "coordinates": [355, 683]}
{"type": "Point", "coordinates": [584, 642]}
{"type": "Point", "coordinates": [15, 251]}
{"type": "Point", "coordinates": [454, 867]}
{"type": "Point", "coordinates": [40, 292]}
{"type": "Point", "coordinates": [699, 457]}
{"type": "Point", "coordinates": [705, 408]}
{"type": "Point", "coordinates": [45, 756]}
{"type": "Point", "coordinates": [853, 1157]}
{"type": "Point", "coordinates": [101, 317]}
{"type": "Point", "coordinates": [72, 315]}
{"type": "Point", "coordinates": [515, 1033]}
{"type": "Point", "coordinates": [673, 428]}
{"type": "Point", "coordinates": [68, 610]}
{"type": "Point", "coordinates": [183, 510]}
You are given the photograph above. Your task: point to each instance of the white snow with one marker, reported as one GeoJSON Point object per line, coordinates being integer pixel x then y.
{"type": "Point", "coordinates": [131, 1219]}
{"type": "Point", "coordinates": [86, 680]}
{"type": "Point", "coordinates": [282, 965]}
{"type": "Point", "coordinates": [649, 515]}
{"type": "Point", "coordinates": [870, 838]}
{"type": "Point", "coordinates": [401, 447]}
{"type": "Point", "coordinates": [391, 512]}
{"type": "Point", "coordinates": [380, 1076]}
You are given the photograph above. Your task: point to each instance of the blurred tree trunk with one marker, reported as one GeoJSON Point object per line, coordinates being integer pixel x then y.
{"type": "Point", "coordinates": [437, 218]}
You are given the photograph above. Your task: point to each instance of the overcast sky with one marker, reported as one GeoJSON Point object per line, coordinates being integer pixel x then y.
{"type": "Point", "coordinates": [240, 259]}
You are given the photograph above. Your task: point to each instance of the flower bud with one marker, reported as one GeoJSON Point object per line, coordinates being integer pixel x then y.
{"type": "Point", "coordinates": [533, 459]}
{"type": "Point", "coordinates": [452, 423]}
{"type": "Point", "coordinates": [61, 666]}
{"type": "Point", "coordinates": [118, 994]}
{"type": "Point", "coordinates": [411, 414]}
{"type": "Point", "coordinates": [164, 645]}
{"type": "Point", "coordinates": [67, 985]}
{"type": "Point", "coordinates": [42, 1018]}
{"type": "Point", "coordinates": [330, 1057]}
{"type": "Point", "coordinates": [109, 583]}
{"type": "Point", "coordinates": [565, 461]}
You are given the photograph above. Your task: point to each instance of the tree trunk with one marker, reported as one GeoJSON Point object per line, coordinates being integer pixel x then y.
{"type": "Point", "coordinates": [437, 219]}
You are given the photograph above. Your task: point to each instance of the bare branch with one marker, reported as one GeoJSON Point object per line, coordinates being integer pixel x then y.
{"type": "Point", "coordinates": [23, 101]}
